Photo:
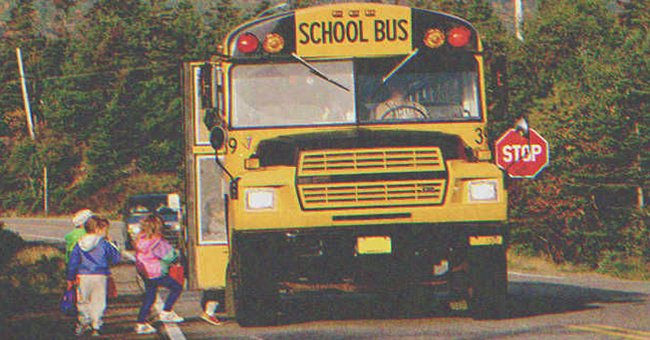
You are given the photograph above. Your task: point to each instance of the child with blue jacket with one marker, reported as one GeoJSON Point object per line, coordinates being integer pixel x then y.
{"type": "Point", "coordinates": [89, 269]}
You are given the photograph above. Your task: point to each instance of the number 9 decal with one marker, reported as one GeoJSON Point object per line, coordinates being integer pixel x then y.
{"type": "Point", "coordinates": [232, 144]}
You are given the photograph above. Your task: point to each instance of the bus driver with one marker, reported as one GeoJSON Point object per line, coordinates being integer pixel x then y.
{"type": "Point", "coordinates": [398, 106]}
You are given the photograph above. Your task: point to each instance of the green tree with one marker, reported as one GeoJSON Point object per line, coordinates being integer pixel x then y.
{"type": "Point", "coordinates": [222, 17]}
{"type": "Point", "coordinates": [20, 33]}
{"type": "Point", "coordinates": [576, 69]}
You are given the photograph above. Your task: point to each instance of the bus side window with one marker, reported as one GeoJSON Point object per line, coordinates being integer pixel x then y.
{"type": "Point", "coordinates": [211, 201]}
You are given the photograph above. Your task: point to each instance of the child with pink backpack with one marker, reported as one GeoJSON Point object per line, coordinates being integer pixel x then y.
{"type": "Point", "coordinates": [153, 256]}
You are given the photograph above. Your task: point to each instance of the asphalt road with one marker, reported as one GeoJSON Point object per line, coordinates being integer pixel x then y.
{"type": "Point", "coordinates": [52, 230]}
{"type": "Point", "coordinates": [540, 307]}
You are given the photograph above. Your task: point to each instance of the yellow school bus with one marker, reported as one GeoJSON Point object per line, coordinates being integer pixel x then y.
{"type": "Point", "coordinates": [343, 148]}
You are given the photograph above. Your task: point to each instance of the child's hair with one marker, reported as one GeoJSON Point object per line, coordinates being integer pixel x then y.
{"type": "Point", "coordinates": [152, 225]}
{"type": "Point", "coordinates": [95, 224]}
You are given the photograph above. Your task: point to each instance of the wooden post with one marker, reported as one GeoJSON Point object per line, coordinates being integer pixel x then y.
{"type": "Point", "coordinates": [519, 19]}
{"type": "Point", "coordinates": [28, 111]}
{"type": "Point", "coordinates": [30, 121]}
{"type": "Point", "coordinates": [45, 208]}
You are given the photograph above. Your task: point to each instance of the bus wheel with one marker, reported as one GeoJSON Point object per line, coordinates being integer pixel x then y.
{"type": "Point", "coordinates": [488, 282]}
{"type": "Point", "coordinates": [256, 296]}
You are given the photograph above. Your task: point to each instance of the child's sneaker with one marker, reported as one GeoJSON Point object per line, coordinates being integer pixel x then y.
{"type": "Point", "coordinates": [170, 316]}
{"type": "Point", "coordinates": [211, 319]}
{"type": "Point", "coordinates": [80, 329]}
{"type": "Point", "coordinates": [96, 332]}
{"type": "Point", "coordinates": [144, 328]}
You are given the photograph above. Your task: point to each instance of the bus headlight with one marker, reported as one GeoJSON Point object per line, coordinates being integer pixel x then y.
{"type": "Point", "coordinates": [258, 199]}
{"type": "Point", "coordinates": [482, 191]}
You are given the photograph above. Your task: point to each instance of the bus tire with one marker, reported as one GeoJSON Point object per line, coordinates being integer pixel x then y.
{"type": "Point", "coordinates": [256, 296]}
{"type": "Point", "coordinates": [488, 282]}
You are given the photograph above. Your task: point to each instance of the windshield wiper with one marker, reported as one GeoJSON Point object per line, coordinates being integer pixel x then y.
{"type": "Point", "coordinates": [399, 66]}
{"type": "Point", "coordinates": [318, 72]}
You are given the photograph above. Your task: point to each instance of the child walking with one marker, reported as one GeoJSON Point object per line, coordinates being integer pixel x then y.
{"type": "Point", "coordinates": [71, 238]}
{"type": "Point", "coordinates": [153, 255]}
{"type": "Point", "coordinates": [89, 268]}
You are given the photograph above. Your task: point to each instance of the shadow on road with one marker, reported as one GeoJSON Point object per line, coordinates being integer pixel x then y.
{"type": "Point", "coordinates": [525, 299]}
{"type": "Point", "coordinates": [536, 298]}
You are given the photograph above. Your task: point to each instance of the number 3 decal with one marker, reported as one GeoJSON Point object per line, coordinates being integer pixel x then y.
{"type": "Point", "coordinates": [481, 136]}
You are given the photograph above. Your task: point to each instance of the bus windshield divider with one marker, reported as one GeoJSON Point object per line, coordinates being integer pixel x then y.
{"type": "Point", "coordinates": [399, 66]}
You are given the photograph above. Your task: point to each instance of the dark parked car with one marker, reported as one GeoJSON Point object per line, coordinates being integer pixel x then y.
{"type": "Point", "coordinates": [140, 206]}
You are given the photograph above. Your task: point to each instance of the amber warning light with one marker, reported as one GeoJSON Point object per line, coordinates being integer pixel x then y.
{"type": "Point", "coordinates": [433, 38]}
{"type": "Point", "coordinates": [273, 43]}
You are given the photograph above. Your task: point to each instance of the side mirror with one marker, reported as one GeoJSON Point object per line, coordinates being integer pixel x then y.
{"type": "Point", "coordinates": [217, 137]}
{"type": "Point", "coordinates": [522, 125]}
{"type": "Point", "coordinates": [212, 118]}
{"type": "Point", "coordinates": [206, 86]}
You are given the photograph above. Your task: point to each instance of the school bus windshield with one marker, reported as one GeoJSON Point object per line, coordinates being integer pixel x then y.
{"type": "Point", "coordinates": [425, 88]}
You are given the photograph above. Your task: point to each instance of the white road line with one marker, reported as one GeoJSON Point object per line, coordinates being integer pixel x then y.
{"type": "Point", "coordinates": [173, 331]}
{"type": "Point", "coordinates": [537, 276]}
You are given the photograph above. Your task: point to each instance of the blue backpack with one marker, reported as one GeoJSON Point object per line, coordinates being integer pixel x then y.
{"type": "Point", "coordinates": [68, 304]}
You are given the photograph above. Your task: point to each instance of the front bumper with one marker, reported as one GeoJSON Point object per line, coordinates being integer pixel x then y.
{"type": "Point", "coordinates": [414, 255]}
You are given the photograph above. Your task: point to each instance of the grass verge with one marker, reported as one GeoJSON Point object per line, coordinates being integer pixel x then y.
{"type": "Point", "coordinates": [612, 264]}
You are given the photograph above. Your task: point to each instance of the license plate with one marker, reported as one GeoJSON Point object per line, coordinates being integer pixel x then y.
{"type": "Point", "coordinates": [374, 245]}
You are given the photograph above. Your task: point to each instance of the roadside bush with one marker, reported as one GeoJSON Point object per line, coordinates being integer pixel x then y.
{"type": "Point", "coordinates": [34, 254]}
{"type": "Point", "coordinates": [619, 265]}
{"type": "Point", "coordinates": [10, 242]}
{"type": "Point", "coordinates": [34, 274]}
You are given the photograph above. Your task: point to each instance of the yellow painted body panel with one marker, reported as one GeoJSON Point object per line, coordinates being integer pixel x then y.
{"type": "Point", "coordinates": [247, 140]}
{"type": "Point", "coordinates": [211, 263]}
{"type": "Point", "coordinates": [288, 213]}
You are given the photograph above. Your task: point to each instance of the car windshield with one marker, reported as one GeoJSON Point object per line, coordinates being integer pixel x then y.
{"type": "Point", "coordinates": [420, 88]}
{"type": "Point", "coordinates": [146, 205]}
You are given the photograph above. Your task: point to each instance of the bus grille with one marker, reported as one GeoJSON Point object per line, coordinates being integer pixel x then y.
{"type": "Point", "coordinates": [362, 178]}
{"type": "Point", "coordinates": [370, 161]}
{"type": "Point", "coordinates": [372, 194]}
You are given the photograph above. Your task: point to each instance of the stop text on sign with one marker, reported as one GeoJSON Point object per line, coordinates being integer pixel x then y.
{"type": "Point", "coordinates": [524, 153]}
{"type": "Point", "coordinates": [522, 156]}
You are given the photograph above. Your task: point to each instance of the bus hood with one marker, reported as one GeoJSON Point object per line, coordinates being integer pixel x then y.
{"type": "Point", "coordinates": [285, 150]}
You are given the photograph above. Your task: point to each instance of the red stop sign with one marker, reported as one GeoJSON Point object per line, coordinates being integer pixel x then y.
{"type": "Point", "coordinates": [522, 157]}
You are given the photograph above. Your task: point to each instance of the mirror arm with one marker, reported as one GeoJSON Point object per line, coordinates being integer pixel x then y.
{"type": "Point", "coordinates": [217, 138]}
{"type": "Point", "coordinates": [223, 167]}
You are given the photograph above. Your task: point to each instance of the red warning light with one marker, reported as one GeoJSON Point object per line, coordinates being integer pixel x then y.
{"type": "Point", "coordinates": [459, 36]}
{"type": "Point", "coordinates": [247, 43]}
